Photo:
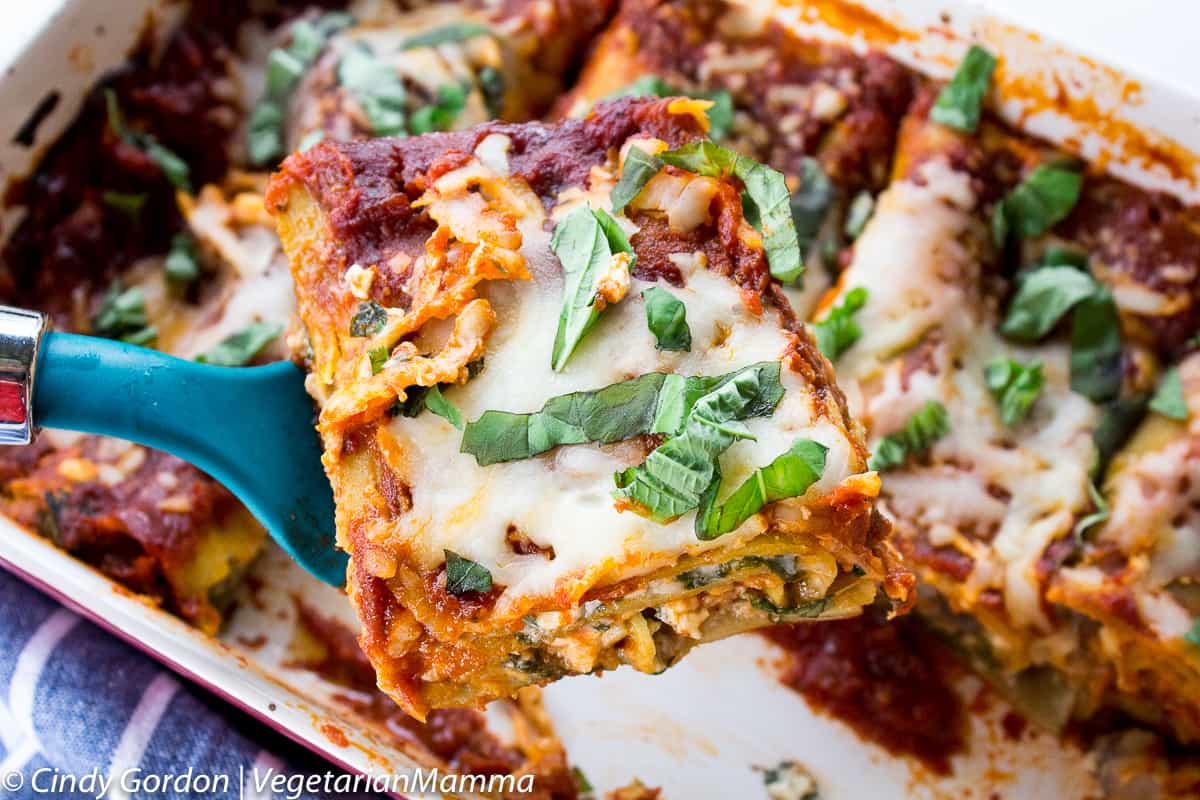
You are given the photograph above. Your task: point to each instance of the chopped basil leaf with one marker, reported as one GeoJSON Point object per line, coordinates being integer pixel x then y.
{"type": "Point", "coordinates": [439, 115]}
{"type": "Point", "coordinates": [174, 168]}
{"type": "Point", "coordinates": [125, 202]}
{"type": "Point", "coordinates": [679, 474]}
{"type": "Point", "coordinates": [582, 784]}
{"type": "Point", "coordinates": [1015, 386]}
{"type": "Point", "coordinates": [464, 576]}
{"type": "Point", "coordinates": [122, 315]}
{"type": "Point", "coordinates": [789, 475]}
{"type": "Point", "coordinates": [1117, 421]}
{"type": "Point", "coordinates": [237, 350]}
{"type": "Point", "coordinates": [310, 139]}
{"type": "Point", "coordinates": [377, 88]}
{"type": "Point", "coordinates": [378, 357]}
{"type": "Point", "coordinates": [766, 190]}
{"type": "Point", "coordinates": [666, 316]}
{"type": "Point", "coordinates": [811, 201]}
{"type": "Point", "coordinates": [838, 331]}
{"type": "Point", "coordinates": [919, 433]}
{"type": "Point", "coordinates": [437, 403]}
{"type": "Point", "coordinates": [446, 34]}
{"type": "Point", "coordinates": [637, 171]}
{"type": "Point", "coordinates": [369, 319]}
{"type": "Point", "coordinates": [960, 102]}
{"type": "Point", "coordinates": [1043, 297]}
{"type": "Point", "coordinates": [1046, 196]}
{"type": "Point", "coordinates": [1065, 256]}
{"type": "Point", "coordinates": [1169, 400]}
{"type": "Point", "coordinates": [285, 68]}
{"type": "Point", "coordinates": [585, 242]}
{"type": "Point", "coordinates": [720, 115]}
{"type": "Point", "coordinates": [492, 83]}
{"type": "Point", "coordinates": [651, 403]}
{"type": "Point", "coordinates": [859, 213]}
{"type": "Point", "coordinates": [1096, 347]}
{"type": "Point", "coordinates": [182, 264]}
{"type": "Point", "coordinates": [1096, 517]}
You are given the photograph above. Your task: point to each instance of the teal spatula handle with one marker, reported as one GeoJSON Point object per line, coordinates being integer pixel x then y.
{"type": "Point", "coordinates": [249, 428]}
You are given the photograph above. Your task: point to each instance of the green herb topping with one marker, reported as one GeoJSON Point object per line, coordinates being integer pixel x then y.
{"type": "Point", "coordinates": [1101, 513]}
{"type": "Point", "coordinates": [122, 315]}
{"type": "Point", "coordinates": [440, 114]}
{"type": "Point", "coordinates": [859, 214]}
{"type": "Point", "coordinates": [789, 475]}
{"type": "Point", "coordinates": [377, 88]}
{"type": "Point", "coordinates": [666, 316]}
{"type": "Point", "coordinates": [369, 319]}
{"type": "Point", "coordinates": [182, 264]}
{"type": "Point", "coordinates": [1015, 386]}
{"type": "Point", "coordinates": [446, 34]}
{"type": "Point", "coordinates": [285, 67]}
{"type": "Point", "coordinates": [810, 202]}
{"type": "Point", "coordinates": [585, 242]}
{"type": "Point", "coordinates": [238, 349]}
{"type": "Point", "coordinates": [1169, 400]}
{"type": "Point", "coordinates": [960, 102]}
{"type": "Point", "coordinates": [838, 331]}
{"type": "Point", "coordinates": [464, 576]}
{"type": "Point", "coordinates": [679, 475]}
{"type": "Point", "coordinates": [173, 167]}
{"type": "Point", "coordinates": [766, 194]}
{"type": "Point", "coordinates": [919, 433]}
{"type": "Point", "coordinates": [1046, 196]}
{"type": "Point", "coordinates": [637, 171]}
{"type": "Point", "coordinates": [127, 203]}
{"type": "Point", "coordinates": [437, 403]}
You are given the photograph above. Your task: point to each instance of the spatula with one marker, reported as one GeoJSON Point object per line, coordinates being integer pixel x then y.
{"type": "Point", "coordinates": [251, 428]}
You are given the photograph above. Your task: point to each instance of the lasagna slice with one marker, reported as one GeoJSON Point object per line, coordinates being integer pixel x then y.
{"type": "Point", "coordinates": [570, 420]}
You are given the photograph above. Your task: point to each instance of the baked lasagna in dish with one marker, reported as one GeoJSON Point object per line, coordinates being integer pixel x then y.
{"type": "Point", "coordinates": [570, 419]}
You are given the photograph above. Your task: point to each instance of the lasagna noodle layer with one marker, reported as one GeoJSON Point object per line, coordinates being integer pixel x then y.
{"type": "Point", "coordinates": [575, 580]}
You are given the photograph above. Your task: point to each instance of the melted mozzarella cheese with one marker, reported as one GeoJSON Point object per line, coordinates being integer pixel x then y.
{"type": "Point", "coordinates": [999, 494]}
{"type": "Point", "coordinates": [563, 499]}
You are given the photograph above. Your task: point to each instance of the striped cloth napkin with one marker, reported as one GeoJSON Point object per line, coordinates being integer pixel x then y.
{"type": "Point", "coordinates": [74, 701]}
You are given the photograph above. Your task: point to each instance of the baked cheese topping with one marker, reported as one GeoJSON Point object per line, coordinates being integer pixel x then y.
{"type": "Point", "coordinates": [562, 500]}
{"type": "Point", "coordinates": [996, 494]}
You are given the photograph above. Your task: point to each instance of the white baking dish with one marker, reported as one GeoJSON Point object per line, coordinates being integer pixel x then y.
{"type": "Point", "coordinates": [702, 729]}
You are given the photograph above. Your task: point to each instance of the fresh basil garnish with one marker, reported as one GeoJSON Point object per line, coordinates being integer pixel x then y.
{"type": "Point", "coordinates": [493, 86]}
{"type": "Point", "coordinates": [1096, 517]}
{"type": "Point", "coordinates": [1015, 387]}
{"type": "Point", "coordinates": [638, 169]}
{"type": "Point", "coordinates": [437, 403]}
{"type": "Point", "coordinates": [1096, 347]}
{"type": "Point", "coordinates": [377, 88]}
{"type": "Point", "coordinates": [1043, 297]}
{"type": "Point", "coordinates": [859, 214]}
{"type": "Point", "coordinates": [369, 319]}
{"type": "Point", "coordinates": [838, 331]}
{"type": "Point", "coordinates": [378, 356]}
{"type": "Point", "coordinates": [789, 475]}
{"type": "Point", "coordinates": [440, 114]}
{"type": "Point", "coordinates": [585, 242]}
{"type": "Point", "coordinates": [960, 102]}
{"type": "Point", "coordinates": [766, 190]}
{"type": "Point", "coordinates": [122, 315]}
{"type": "Point", "coordinates": [919, 433]}
{"type": "Point", "coordinates": [811, 201]}
{"type": "Point", "coordinates": [182, 264]}
{"type": "Point", "coordinates": [1117, 420]}
{"type": "Point", "coordinates": [173, 167]}
{"type": "Point", "coordinates": [1045, 197]}
{"type": "Point", "coordinates": [1168, 400]}
{"type": "Point", "coordinates": [720, 115]}
{"type": "Point", "coordinates": [446, 34]}
{"type": "Point", "coordinates": [651, 403]}
{"type": "Point", "coordinates": [464, 576]}
{"type": "Point", "coordinates": [677, 476]}
{"type": "Point", "coordinates": [285, 67]}
{"type": "Point", "coordinates": [238, 349]}
{"type": "Point", "coordinates": [809, 610]}
{"type": "Point", "coordinates": [666, 316]}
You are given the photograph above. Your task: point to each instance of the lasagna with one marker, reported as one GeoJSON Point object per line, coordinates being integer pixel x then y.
{"type": "Point", "coordinates": [569, 416]}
